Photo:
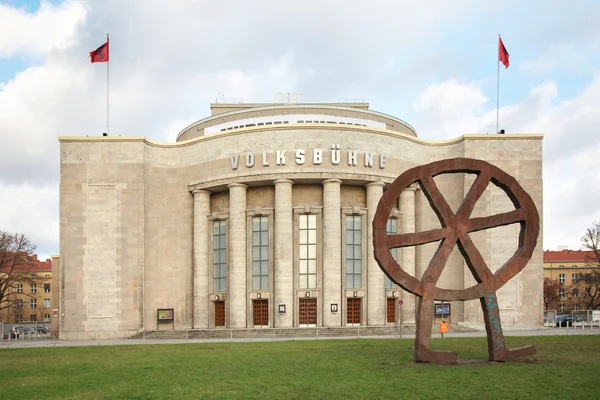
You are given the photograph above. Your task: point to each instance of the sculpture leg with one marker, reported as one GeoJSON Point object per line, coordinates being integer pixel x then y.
{"type": "Point", "coordinates": [496, 345]}
{"type": "Point", "coordinates": [423, 351]}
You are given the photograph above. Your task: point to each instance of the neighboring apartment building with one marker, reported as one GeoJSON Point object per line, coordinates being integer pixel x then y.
{"type": "Point", "coordinates": [565, 266]}
{"type": "Point", "coordinates": [33, 298]}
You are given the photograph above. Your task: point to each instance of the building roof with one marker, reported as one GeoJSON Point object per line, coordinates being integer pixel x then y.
{"type": "Point", "coordinates": [36, 265]}
{"type": "Point", "coordinates": [567, 256]}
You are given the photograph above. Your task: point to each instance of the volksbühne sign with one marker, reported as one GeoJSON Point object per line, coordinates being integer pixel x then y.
{"type": "Point", "coordinates": [301, 157]}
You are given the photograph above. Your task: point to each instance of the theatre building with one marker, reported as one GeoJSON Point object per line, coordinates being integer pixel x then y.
{"type": "Point", "coordinates": [260, 215]}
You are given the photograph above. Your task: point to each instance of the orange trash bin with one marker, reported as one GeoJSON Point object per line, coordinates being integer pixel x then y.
{"type": "Point", "coordinates": [443, 327]}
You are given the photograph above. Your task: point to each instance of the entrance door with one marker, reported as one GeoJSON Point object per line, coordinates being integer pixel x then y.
{"type": "Point", "coordinates": [391, 310]}
{"type": "Point", "coordinates": [307, 315]}
{"type": "Point", "coordinates": [219, 313]}
{"type": "Point", "coordinates": [260, 312]}
{"type": "Point", "coordinates": [353, 311]}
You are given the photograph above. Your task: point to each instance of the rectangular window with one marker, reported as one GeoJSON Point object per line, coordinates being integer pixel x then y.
{"type": "Point", "coordinates": [33, 288]}
{"type": "Point", "coordinates": [32, 303]}
{"type": "Point", "coordinates": [46, 317]}
{"type": "Point", "coordinates": [220, 256]}
{"type": "Point", "coordinates": [353, 251]}
{"type": "Point", "coordinates": [562, 308]}
{"type": "Point", "coordinates": [307, 248]}
{"type": "Point", "coordinates": [562, 293]}
{"type": "Point", "coordinates": [574, 278]}
{"type": "Point", "coordinates": [19, 288]}
{"type": "Point", "coordinates": [561, 278]}
{"type": "Point", "coordinates": [19, 318]}
{"type": "Point", "coordinates": [575, 292]}
{"type": "Point", "coordinates": [19, 303]}
{"type": "Point", "coordinates": [391, 230]}
{"type": "Point", "coordinates": [33, 317]}
{"type": "Point", "coordinates": [47, 303]}
{"type": "Point", "coordinates": [46, 288]}
{"type": "Point", "coordinates": [260, 253]}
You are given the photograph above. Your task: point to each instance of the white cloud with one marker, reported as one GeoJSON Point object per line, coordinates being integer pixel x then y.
{"type": "Point", "coordinates": [168, 63]}
{"type": "Point", "coordinates": [571, 144]}
{"type": "Point", "coordinates": [32, 210]}
{"type": "Point", "coordinates": [35, 34]}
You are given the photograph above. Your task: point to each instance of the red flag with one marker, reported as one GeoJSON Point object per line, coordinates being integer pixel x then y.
{"type": "Point", "coordinates": [100, 54]}
{"type": "Point", "coordinates": [502, 53]}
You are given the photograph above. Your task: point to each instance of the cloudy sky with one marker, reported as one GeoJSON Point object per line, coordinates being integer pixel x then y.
{"type": "Point", "coordinates": [433, 65]}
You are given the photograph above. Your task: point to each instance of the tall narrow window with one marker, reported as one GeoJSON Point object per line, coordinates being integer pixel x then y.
{"type": "Point", "coordinates": [220, 256]}
{"type": "Point", "coordinates": [260, 253]}
{"type": "Point", "coordinates": [561, 278]}
{"type": "Point", "coordinates": [33, 288]}
{"type": "Point", "coordinates": [391, 230]}
{"type": "Point", "coordinates": [308, 251]}
{"type": "Point", "coordinates": [353, 251]}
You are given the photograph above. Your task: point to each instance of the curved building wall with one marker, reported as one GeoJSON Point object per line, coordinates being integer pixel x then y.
{"type": "Point", "coordinates": [140, 228]}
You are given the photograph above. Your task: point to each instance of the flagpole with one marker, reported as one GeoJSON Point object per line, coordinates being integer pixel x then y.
{"type": "Point", "coordinates": [498, 86]}
{"type": "Point", "coordinates": [107, 86]}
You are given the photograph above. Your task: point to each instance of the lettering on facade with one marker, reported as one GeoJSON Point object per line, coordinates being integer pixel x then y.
{"type": "Point", "coordinates": [303, 156]}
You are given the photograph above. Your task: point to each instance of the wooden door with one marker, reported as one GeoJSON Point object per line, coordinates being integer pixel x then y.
{"type": "Point", "coordinates": [353, 311]}
{"type": "Point", "coordinates": [308, 312]}
{"type": "Point", "coordinates": [220, 313]}
{"type": "Point", "coordinates": [260, 312]}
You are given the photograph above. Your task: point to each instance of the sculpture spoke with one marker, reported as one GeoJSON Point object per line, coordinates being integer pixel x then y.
{"type": "Point", "coordinates": [493, 221]}
{"type": "Point", "coordinates": [474, 259]}
{"type": "Point", "coordinates": [437, 201]}
{"type": "Point", "coordinates": [414, 239]}
{"type": "Point", "coordinates": [475, 192]}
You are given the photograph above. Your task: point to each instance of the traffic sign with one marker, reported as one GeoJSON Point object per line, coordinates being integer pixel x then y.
{"type": "Point", "coordinates": [400, 302]}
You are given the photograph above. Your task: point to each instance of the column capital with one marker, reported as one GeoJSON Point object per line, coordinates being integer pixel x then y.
{"type": "Point", "coordinates": [276, 181]}
{"type": "Point", "coordinates": [332, 181]}
{"type": "Point", "coordinates": [377, 183]}
{"type": "Point", "coordinates": [236, 184]}
{"type": "Point", "coordinates": [196, 192]}
{"type": "Point", "coordinates": [409, 189]}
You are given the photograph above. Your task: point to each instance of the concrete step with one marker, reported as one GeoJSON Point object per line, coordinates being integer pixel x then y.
{"type": "Point", "coordinates": [340, 331]}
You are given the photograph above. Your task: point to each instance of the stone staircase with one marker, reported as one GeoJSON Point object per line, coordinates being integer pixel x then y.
{"type": "Point", "coordinates": [281, 333]}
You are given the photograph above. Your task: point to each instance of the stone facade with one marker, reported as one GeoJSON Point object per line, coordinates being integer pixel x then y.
{"type": "Point", "coordinates": [137, 218]}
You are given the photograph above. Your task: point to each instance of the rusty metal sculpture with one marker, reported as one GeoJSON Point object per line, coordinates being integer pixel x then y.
{"type": "Point", "coordinates": [455, 231]}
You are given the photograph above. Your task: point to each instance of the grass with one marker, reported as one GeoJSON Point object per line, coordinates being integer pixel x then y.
{"type": "Point", "coordinates": [565, 367]}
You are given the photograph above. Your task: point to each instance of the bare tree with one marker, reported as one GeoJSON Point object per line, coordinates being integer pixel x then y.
{"type": "Point", "coordinates": [16, 268]}
{"type": "Point", "coordinates": [589, 283]}
{"type": "Point", "coordinates": [551, 294]}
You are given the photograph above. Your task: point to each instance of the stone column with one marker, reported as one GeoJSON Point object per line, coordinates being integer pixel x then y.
{"type": "Point", "coordinates": [407, 254]}
{"type": "Point", "coordinates": [332, 252]}
{"type": "Point", "coordinates": [237, 293]}
{"type": "Point", "coordinates": [376, 300]}
{"type": "Point", "coordinates": [201, 269]}
{"type": "Point", "coordinates": [284, 250]}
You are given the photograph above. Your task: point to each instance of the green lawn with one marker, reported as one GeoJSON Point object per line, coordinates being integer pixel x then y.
{"type": "Point", "coordinates": [565, 367]}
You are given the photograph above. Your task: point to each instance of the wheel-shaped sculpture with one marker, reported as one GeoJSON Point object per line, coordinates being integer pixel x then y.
{"type": "Point", "coordinates": [454, 231]}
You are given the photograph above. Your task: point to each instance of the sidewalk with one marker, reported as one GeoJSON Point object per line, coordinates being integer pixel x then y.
{"type": "Point", "coordinates": [45, 342]}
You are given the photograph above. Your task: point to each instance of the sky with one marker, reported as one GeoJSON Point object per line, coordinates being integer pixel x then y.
{"type": "Point", "coordinates": [433, 65]}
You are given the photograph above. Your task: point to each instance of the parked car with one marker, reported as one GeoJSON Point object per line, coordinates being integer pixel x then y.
{"type": "Point", "coordinates": [16, 331]}
{"type": "Point", "coordinates": [567, 320]}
